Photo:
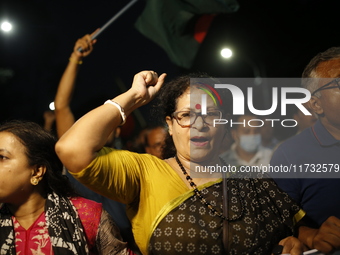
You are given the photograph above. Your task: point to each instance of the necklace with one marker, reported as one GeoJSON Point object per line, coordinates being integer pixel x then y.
{"type": "Point", "coordinates": [205, 202]}
{"type": "Point", "coordinates": [198, 192]}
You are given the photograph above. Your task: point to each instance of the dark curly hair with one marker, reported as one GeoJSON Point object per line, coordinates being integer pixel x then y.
{"type": "Point", "coordinates": [166, 101]}
{"type": "Point", "coordinates": [39, 148]}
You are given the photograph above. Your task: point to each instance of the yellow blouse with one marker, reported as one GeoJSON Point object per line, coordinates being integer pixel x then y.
{"type": "Point", "coordinates": [143, 182]}
{"type": "Point", "coordinates": [146, 184]}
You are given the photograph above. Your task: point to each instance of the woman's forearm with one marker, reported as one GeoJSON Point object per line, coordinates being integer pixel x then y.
{"type": "Point", "coordinates": [80, 144]}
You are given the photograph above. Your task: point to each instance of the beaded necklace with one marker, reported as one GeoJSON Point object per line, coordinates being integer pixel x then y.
{"type": "Point", "coordinates": [204, 201]}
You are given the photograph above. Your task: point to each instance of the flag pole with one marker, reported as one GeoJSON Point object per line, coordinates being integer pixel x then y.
{"type": "Point", "coordinates": [116, 16]}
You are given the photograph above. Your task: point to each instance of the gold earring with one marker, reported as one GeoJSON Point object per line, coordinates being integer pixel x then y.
{"type": "Point", "coordinates": [34, 181]}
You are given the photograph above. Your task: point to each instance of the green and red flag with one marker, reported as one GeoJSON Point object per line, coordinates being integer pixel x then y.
{"type": "Point", "coordinates": [180, 26]}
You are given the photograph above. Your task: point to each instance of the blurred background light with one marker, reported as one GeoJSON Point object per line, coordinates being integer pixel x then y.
{"type": "Point", "coordinates": [51, 106]}
{"type": "Point", "coordinates": [6, 26]}
{"type": "Point", "coordinates": [226, 53]}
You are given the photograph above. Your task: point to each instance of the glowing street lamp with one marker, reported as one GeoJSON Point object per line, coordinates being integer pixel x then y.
{"type": "Point", "coordinates": [226, 53]}
{"type": "Point", "coordinates": [6, 26]}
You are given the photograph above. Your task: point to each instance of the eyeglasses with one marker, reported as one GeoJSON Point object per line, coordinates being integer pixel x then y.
{"type": "Point", "coordinates": [337, 81]}
{"type": "Point", "coordinates": [188, 118]}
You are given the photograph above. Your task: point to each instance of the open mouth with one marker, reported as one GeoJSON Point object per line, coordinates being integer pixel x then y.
{"type": "Point", "coordinates": [199, 140]}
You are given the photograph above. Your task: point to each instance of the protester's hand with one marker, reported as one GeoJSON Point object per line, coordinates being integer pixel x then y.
{"type": "Point", "coordinates": [86, 44]}
{"type": "Point", "coordinates": [293, 246]}
{"type": "Point", "coordinates": [327, 238]}
{"type": "Point", "coordinates": [145, 86]}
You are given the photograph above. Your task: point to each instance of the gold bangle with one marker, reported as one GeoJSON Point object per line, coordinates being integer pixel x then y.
{"type": "Point", "coordinates": [75, 61]}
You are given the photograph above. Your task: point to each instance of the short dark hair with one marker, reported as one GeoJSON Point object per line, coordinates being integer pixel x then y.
{"type": "Point", "coordinates": [149, 128]}
{"type": "Point", "coordinates": [310, 70]}
{"type": "Point", "coordinates": [329, 54]}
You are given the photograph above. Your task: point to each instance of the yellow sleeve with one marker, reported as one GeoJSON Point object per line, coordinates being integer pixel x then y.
{"type": "Point", "coordinates": [117, 174]}
{"type": "Point", "coordinates": [142, 181]}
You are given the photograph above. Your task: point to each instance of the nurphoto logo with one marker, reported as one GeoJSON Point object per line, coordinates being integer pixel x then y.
{"type": "Point", "coordinates": [280, 98]}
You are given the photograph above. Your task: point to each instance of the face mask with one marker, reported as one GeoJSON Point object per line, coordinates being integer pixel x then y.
{"type": "Point", "coordinates": [250, 143]}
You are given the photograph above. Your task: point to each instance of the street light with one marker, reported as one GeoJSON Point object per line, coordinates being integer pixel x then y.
{"type": "Point", "coordinates": [6, 26]}
{"type": "Point", "coordinates": [226, 53]}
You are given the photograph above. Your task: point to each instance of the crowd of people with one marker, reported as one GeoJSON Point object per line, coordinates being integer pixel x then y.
{"type": "Point", "coordinates": [81, 192]}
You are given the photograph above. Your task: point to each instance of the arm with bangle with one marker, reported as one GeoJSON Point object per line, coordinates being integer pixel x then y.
{"type": "Point", "coordinates": [121, 110]}
{"type": "Point", "coordinates": [79, 146]}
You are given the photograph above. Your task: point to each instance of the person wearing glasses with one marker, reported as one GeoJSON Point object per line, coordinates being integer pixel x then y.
{"type": "Point", "coordinates": [176, 205]}
{"type": "Point", "coordinates": [315, 152]}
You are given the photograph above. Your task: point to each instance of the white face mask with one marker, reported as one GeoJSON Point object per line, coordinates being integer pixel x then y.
{"type": "Point", "coordinates": [250, 143]}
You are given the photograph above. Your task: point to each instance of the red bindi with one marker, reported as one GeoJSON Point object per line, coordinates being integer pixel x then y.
{"type": "Point", "coordinates": [198, 106]}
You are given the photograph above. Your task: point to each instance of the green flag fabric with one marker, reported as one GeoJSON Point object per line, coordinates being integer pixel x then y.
{"type": "Point", "coordinates": [178, 26]}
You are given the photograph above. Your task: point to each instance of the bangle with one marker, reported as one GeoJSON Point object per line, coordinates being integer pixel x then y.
{"type": "Point", "coordinates": [75, 61]}
{"type": "Point", "coordinates": [121, 110]}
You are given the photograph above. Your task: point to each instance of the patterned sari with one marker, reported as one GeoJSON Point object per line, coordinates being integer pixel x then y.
{"type": "Point", "coordinates": [259, 216]}
{"type": "Point", "coordinates": [64, 230]}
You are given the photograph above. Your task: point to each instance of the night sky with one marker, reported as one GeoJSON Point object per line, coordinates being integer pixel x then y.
{"type": "Point", "coordinates": [280, 37]}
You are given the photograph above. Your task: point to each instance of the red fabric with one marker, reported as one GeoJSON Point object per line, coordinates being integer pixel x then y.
{"type": "Point", "coordinates": [36, 240]}
{"type": "Point", "coordinates": [89, 213]}
{"type": "Point", "coordinates": [202, 26]}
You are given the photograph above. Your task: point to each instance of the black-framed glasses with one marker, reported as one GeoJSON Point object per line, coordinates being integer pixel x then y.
{"type": "Point", "coordinates": [337, 81]}
{"type": "Point", "coordinates": [188, 118]}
